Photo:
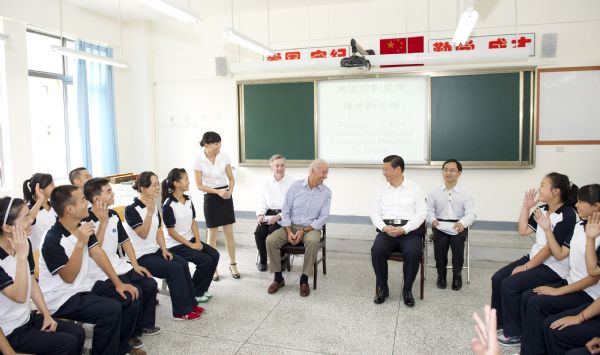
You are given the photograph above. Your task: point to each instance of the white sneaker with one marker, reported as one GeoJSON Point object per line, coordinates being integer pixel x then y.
{"type": "Point", "coordinates": [202, 299]}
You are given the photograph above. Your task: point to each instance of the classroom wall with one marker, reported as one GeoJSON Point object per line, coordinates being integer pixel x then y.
{"type": "Point", "coordinates": [132, 86]}
{"type": "Point", "coordinates": [186, 86]}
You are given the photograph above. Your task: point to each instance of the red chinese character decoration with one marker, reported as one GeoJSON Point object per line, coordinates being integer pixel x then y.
{"type": "Point", "coordinates": [318, 54]}
{"type": "Point", "coordinates": [469, 46]}
{"type": "Point", "coordinates": [338, 53]}
{"type": "Point", "coordinates": [521, 42]}
{"type": "Point", "coordinates": [499, 43]}
{"type": "Point", "coordinates": [442, 47]}
{"type": "Point", "coordinates": [292, 55]}
{"type": "Point", "coordinates": [275, 57]}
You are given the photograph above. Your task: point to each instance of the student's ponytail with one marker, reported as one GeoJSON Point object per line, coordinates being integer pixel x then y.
{"type": "Point", "coordinates": [164, 190]}
{"type": "Point", "coordinates": [41, 179]}
{"type": "Point", "coordinates": [27, 193]}
{"type": "Point", "coordinates": [568, 190]}
{"type": "Point", "coordinates": [168, 184]}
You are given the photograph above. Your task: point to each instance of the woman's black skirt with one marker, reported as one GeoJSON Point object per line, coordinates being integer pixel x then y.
{"type": "Point", "coordinates": [218, 211]}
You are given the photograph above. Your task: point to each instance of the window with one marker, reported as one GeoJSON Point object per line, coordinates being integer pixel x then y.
{"type": "Point", "coordinates": [2, 114]}
{"type": "Point", "coordinates": [64, 96]}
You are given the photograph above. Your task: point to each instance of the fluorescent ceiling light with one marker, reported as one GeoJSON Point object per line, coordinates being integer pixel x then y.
{"type": "Point", "coordinates": [68, 52]}
{"type": "Point", "coordinates": [435, 58]}
{"type": "Point", "coordinates": [4, 37]}
{"type": "Point", "coordinates": [465, 26]}
{"type": "Point", "coordinates": [171, 10]}
{"type": "Point", "coordinates": [247, 42]}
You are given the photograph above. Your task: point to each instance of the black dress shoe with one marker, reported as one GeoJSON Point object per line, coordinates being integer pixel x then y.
{"type": "Point", "coordinates": [441, 282]}
{"type": "Point", "coordinates": [408, 298]}
{"type": "Point", "coordinates": [456, 282]}
{"type": "Point", "coordinates": [380, 294]}
{"type": "Point", "coordinates": [262, 267]}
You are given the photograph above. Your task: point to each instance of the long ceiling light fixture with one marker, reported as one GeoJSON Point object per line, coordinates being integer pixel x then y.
{"type": "Point", "coordinates": [241, 39]}
{"type": "Point", "coordinates": [172, 10]}
{"type": "Point", "coordinates": [465, 26]}
{"type": "Point", "coordinates": [88, 56]}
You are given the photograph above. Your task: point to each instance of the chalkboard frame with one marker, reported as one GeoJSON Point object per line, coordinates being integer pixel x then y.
{"type": "Point", "coordinates": [526, 141]}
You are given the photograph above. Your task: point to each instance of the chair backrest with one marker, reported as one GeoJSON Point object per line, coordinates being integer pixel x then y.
{"type": "Point", "coordinates": [120, 211]}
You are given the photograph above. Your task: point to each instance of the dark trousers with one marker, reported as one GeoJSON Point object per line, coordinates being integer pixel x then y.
{"type": "Point", "coordinates": [441, 243]}
{"type": "Point", "coordinates": [29, 338]}
{"type": "Point", "coordinates": [512, 289]}
{"type": "Point", "coordinates": [497, 279]}
{"type": "Point", "coordinates": [149, 288]}
{"type": "Point", "coordinates": [130, 311]}
{"type": "Point", "coordinates": [411, 245]}
{"type": "Point", "coordinates": [578, 351]}
{"type": "Point", "coordinates": [177, 274]}
{"type": "Point", "coordinates": [103, 312]}
{"type": "Point", "coordinates": [536, 308]}
{"type": "Point", "coordinates": [575, 336]}
{"type": "Point", "coordinates": [206, 261]}
{"type": "Point", "coordinates": [260, 237]}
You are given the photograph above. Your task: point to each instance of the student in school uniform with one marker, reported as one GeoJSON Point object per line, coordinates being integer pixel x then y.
{"type": "Point", "coordinates": [574, 329]}
{"type": "Point", "coordinates": [110, 235]}
{"type": "Point", "coordinates": [268, 213]}
{"type": "Point", "coordinates": [450, 211]}
{"type": "Point", "coordinates": [539, 267]}
{"type": "Point", "coordinates": [143, 225]}
{"type": "Point", "coordinates": [577, 289]}
{"type": "Point", "coordinates": [182, 234]}
{"type": "Point", "coordinates": [64, 274]}
{"type": "Point", "coordinates": [214, 177]}
{"type": "Point", "coordinates": [27, 331]}
{"type": "Point", "coordinates": [36, 193]}
{"type": "Point", "coordinates": [79, 176]}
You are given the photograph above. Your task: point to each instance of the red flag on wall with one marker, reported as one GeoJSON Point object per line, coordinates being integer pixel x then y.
{"type": "Point", "coordinates": [401, 46]}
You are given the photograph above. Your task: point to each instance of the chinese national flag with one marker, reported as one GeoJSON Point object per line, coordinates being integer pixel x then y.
{"type": "Point", "coordinates": [401, 46]}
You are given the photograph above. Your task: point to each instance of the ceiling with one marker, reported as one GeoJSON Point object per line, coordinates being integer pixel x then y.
{"type": "Point", "coordinates": [132, 10]}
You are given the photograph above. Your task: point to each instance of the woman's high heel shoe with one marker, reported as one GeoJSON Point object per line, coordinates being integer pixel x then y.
{"type": "Point", "coordinates": [234, 271]}
{"type": "Point", "coordinates": [216, 276]}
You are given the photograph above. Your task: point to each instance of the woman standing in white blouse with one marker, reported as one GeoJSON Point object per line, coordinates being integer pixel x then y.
{"type": "Point", "coordinates": [214, 177]}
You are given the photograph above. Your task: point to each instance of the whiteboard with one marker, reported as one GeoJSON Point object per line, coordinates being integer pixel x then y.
{"type": "Point", "coordinates": [569, 106]}
{"type": "Point", "coordinates": [361, 121]}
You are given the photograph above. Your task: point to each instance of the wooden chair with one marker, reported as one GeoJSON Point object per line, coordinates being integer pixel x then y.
{"type": "Point", "coordinates": [398, 256]}
{"type": "Point", "coordinates": [289, 249]}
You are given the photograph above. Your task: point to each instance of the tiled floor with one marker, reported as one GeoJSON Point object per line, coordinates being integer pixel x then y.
{"type": "Point", "coordinates": [337, 318]}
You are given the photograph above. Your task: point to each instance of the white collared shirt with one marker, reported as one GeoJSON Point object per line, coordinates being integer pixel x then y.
{"type": "Point", "coordinates": [406, 201]}
{"type": "Point", "coordinates": [180, 216]}
{"type": "Point", "coordinates": [13, 314]}
{"type": "Point", "coordinates": [43, 221]}
{"type": "Point", "coordinates": [134, 217]}
{"type": "Point", "coordinates": [577, 264]}
{"type": "Point", "coordinates": [451, 204]}
{"type": "Point", "coordinates": [273, 193]}
{"type": "Point", "coordinates": [213, 175]}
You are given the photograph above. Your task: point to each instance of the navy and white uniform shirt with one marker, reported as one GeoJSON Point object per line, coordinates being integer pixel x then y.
{"type": "Point", "coordinates": [42, 222]}
{"type": "Point", "coordinates": [562, 222]}
{"type": "Point", "coordinates": [179, 216]}
{"type": "Point", "coordinates": [58, 245]}
{"type": "Point", "coordinates": [114, 235]}
{"type": "Point", "coordinates": [134, 217]}
{"type": "Point", "coordinates": [577, 264]}
{"type": "Point", "coordinates": [13, 314]}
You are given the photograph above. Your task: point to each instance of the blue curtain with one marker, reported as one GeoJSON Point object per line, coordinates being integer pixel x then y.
{"type": "Point", "coordinates": [96, 112]}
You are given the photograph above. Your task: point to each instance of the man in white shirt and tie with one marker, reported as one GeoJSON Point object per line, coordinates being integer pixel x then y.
{"type": "Point", "coordinates": [268, 213]}
{"type": "Point", "coordinates": [450, 211]}
{"type": "Point", "coordinates": [399, 213]}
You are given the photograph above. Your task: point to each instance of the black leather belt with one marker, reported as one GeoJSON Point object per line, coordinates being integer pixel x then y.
{"type": "Point", "coordinates": [447, 220]}
{"type": "Point", "coordinates": [273, 211]}
{"type": "Point", "coordinates": [395, 222]}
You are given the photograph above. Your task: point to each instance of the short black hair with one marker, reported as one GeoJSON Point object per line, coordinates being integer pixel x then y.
{"type": "Point", "coordinates": [143, 180]}
{"type": "Point", "coordinates": [61, 197]}
{"type": "Point", "coordinates": [209, 138]}
{"type": "Point", "coordinates": [44, 180]}
{"type": "Point", "coordinates": [93, 187]}
{"type": "Point", "coordinates": [10, 215]}
{"type": "Point", "coordinates": [458, 164]}
{"type": "Point", "coordinates": [395, 161]}
{"type": "Point", "coordinates": [75, 173]}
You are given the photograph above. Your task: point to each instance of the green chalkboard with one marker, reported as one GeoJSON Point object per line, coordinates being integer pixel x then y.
{"type": "Point", "coordinates": [477, 118]}
{"type": "Point", "coordinates": [278, 118]}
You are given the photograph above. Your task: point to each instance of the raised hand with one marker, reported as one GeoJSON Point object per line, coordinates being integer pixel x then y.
{"type": "Point", "coordinates": [542, 219]}
{"type": "Point", "coordinates": [592, 228]}
{"type": "Point", "coordinates": [529, 200]}
{"type": "Point", "coordinates": [18, 242]}
{"type": "Point", "coordinates": [84, 231]}
{"type": "Point", "coordinates": [100, 209]}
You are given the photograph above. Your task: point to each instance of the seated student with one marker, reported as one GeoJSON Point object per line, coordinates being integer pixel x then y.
{"type": "Point", "coordinates": [36, 193]}
{"type": "Point", "coordinates": [577, 289]}
{"type": "Point", "coordinates": [452, 205]}
{"type": "Point", "coordinates": [110, 234]}
{"type": "Point", "coordinates": [183, 236]}
{"type": "Point", "coordinates": [143, 225]}
{"type": "Point", "coordinates": [27, 331]}
{"type": "Point", "coordinates": [79, 176]}
{"type": "Point", "coordinates": [592, 232]}
{"type": "Point", "coordinates": [574, 328]}
{"type": "Point", "coordinates": [64, 279]}
{"type": "Point", "coordinates": [399, 213]}
{"type": "Point", "coordinates": [539, 267]}
{"type": "Point", "coordinates": [270, 204]}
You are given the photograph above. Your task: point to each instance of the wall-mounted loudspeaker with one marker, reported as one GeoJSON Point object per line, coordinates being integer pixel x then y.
{"type": "Point", "coordinates": [549, 45]}
{"type": "Point", "coordinates": [221, 66]}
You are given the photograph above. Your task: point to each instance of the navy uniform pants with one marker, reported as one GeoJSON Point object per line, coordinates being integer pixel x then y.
{"type": "Point", "coordinates": [261, 233]}
{"type": "Point", "coordinates": [411, 245]}
{"type": "Point", "coordinates": [103, 312]}
{"type": "Point", "coordinates": [177, 274]}
{"type": "Point", "coordinates": [206, 261]}
{"type": "Point", "coordinates": [29, 338]}
{"type": "Point", "coordinates": [573, 337]}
